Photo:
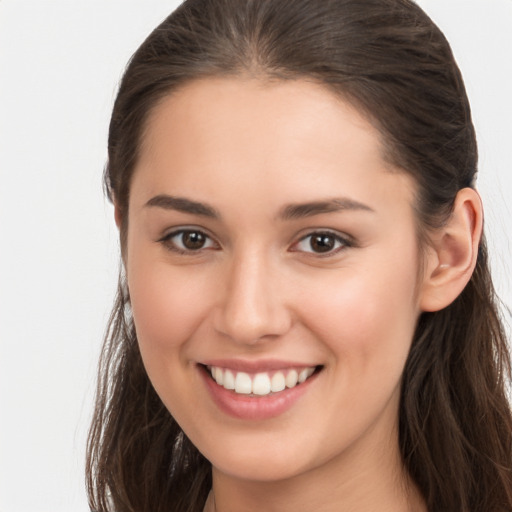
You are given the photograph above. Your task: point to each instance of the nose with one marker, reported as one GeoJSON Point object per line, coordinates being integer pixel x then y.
{"type": "Point", "coordinates": [252, 308]}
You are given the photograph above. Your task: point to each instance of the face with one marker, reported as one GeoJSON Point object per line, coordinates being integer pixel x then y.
{"type": "Point", "coordinates": [271, 249]}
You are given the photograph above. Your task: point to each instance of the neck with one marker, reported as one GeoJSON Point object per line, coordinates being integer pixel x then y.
{"type": "Point", "coordinates": [374, 480]}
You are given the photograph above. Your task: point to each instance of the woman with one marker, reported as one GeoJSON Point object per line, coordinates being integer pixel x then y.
{"type": "Point", "coordinates": [306, 320]}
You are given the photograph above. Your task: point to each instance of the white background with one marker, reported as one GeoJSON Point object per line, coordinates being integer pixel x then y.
{"type": "Point", "coordinates": [60, 62]}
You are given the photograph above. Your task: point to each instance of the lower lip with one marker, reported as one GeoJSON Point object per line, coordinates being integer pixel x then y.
{"type": "Point", "coordinates": [254, 407]}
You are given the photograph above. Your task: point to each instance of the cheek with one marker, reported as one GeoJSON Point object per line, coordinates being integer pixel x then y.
{"type": "Point", "coordinates": [367, 324]}
{"type": "Point", "coordinates": [166, 304]}
{"type": "Point", "coordinates": [366, 317]}
{"type": "Point", "coordinates": [167, 310]}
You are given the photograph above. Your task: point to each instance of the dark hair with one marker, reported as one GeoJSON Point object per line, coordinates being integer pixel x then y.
{"type": "Point", "coordinates": [390, 61]}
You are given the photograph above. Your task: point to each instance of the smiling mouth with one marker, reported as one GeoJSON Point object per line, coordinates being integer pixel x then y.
{"type": "Point", "coordinates": [262, 383]}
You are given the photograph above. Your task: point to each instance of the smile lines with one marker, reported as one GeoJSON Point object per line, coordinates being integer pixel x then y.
{"type": "Point", "coordinates": [260, 384]}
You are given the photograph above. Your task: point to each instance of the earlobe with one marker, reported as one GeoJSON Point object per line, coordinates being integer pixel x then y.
{"type": "Point", "coordinates": [453, 253]}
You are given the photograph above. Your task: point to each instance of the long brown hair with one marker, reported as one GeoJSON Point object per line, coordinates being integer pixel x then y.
{"type": "Point", "coordinates": [390, 60]}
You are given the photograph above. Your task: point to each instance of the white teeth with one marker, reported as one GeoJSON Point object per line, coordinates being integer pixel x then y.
{"type": "Point", "coordinates": [291, 379]}
{"type": "Point", "coordinates": [278, 382]}
{"type": "Point", "coordinates": [304, 374]}
{"type": "Point", "coordinates": [243, 383]}
{"type": "Point", "coordinates": [229, 379]}
{"type": "Point", "coordinates": [218, 375]}
{"type": "Point", "coordinates": [260, 384]}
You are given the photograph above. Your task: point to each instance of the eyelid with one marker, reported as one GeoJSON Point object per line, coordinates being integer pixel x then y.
{"type": "Point", "coordinates": [166, 240]}
{"type": "Point", "coordinates": [345, 240]}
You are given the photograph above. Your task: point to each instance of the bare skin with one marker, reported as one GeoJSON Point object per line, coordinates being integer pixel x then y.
{"type": "Point", "coordinates": [265, 228]}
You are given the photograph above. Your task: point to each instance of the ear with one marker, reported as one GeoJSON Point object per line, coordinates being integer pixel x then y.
{"type": "Point", "coordinates": [452, 256]}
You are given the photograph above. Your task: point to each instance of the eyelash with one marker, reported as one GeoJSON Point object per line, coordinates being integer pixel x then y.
{"type": "Point", "coordinates": [339, 242]}
{"type": "Point", "coordinates": [167, 241]}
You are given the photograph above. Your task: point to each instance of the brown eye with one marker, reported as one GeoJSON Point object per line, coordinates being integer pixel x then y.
{"type": "Point", "coordinates": [187, 241]}
{"type": "Point", "coordinates": [321, 243]}
{"type": "Point", "coordinates": [193, 240]}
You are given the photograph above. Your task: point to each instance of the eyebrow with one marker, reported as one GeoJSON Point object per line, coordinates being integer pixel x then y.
{"type": "Point", "coordinates": [289, 212]}
{"type": "Point", "coordinates": [299, 211]}
{"type": "Point", "coordinates": [184, 205]}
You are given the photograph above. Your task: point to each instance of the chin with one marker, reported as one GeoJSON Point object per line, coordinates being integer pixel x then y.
{"type": "Point", "coordinates": [257, 470]}
{"type": "Point", "coordinates": [261, 463]}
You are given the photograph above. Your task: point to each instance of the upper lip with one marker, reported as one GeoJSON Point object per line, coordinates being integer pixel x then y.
{"type": "Point", "coordinates": [261, 365]}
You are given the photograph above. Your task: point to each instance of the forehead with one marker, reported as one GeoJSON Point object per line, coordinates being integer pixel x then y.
{"type": "Point", "coordinates": [255, 110]}
{"type": "Point", "coordinates": [278, 138]}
